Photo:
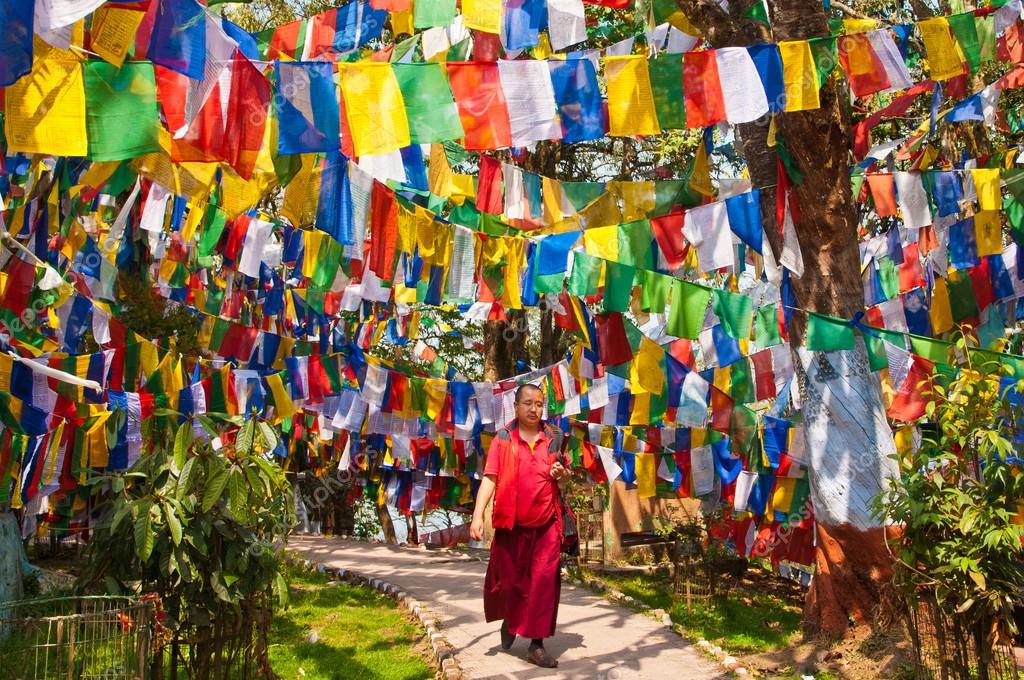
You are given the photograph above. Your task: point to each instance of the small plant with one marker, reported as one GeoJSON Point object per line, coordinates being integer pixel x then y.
{"type": "Point", "coordinates": [956, 505]}
{"type": "Point", "coordinates": [198, 526]}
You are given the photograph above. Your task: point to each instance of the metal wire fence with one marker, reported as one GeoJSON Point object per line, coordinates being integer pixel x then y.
{"type": "Point", "coordinates": [88, 638]}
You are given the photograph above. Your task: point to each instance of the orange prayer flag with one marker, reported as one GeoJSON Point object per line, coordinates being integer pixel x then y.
{"type": "Point", "coordinates": [481, 102]}
{"type": "Point", "coordinates": [883, 193]}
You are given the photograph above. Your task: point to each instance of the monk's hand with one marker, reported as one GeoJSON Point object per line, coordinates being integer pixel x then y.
{"type": "Point", "coordinates": [558, 471]}
{"type": "Point", "coordinates": [476, 529]}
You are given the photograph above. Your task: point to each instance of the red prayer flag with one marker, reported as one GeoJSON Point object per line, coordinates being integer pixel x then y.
{"type": "Point", "coordinates": [910, 399]}
{"type": "Point", "coordinates": [764, 374]}
{"type": "Point", "coordinates": [489, 196]}
{"type": "Point", "coordinates": [883, 192]}
{"type": "Point", "coordinates": [482, 107]}
{"type": "Point", "coordinates": [612, 342]}
{"type": "Point", "coordinates": [863, 67]}
{"type": "Point", "coordinates": [702, 90]}
{"type": "Point", "coordinates": [383, 230]}
{"type": "Point", "coordinates": [21, 276]}
{"type": "Point", "coordinates": [911, 274]}
{"type": "Point", "coordinates": [668, 231]}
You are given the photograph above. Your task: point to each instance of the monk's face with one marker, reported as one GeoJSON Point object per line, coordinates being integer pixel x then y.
{"type": "Point", "coordinates": [530, 406]}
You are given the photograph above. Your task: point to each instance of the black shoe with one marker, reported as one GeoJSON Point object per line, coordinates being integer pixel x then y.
{"type": "Point", "coordinates": [540, 657]}
{"type": "Point", "coordinates": [507, 638]}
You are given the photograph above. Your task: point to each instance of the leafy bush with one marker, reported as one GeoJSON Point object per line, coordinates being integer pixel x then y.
{"type": "Point", "coordinates": [955, 507]}
{"type": "Point", "coordinates": [197, 525]}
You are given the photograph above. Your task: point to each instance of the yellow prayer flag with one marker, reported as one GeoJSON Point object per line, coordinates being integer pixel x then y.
{"type": "Point", "coordinates": [638, 198]}
{"type": "Point", "coordinates": [799, 75]}
{"type": "Point", "coordinates": [515, 262]}
{"type": "Point", "coordinates": [439, 174]}
{"type": "Point", "coordinates": [646, 474]}
{"type": "Point", "coordinates": [988, 232]}
{"type": "Point", "coordinates": [986, 185]}
{"type": "Point", "coordinates": [113, 32]}
{"type": "Point", "coordinates": [940, 312]}
{"type": "Point", "coordinates": [46, 110]}
{"type": "Point", "coordinates": [482, 15]}
{"type": "Point", "coordinates": [859, 25]}
{"type": "Point", "coordinates": [374, 107]}
{"type": "Point", "coordinates": [602, 242]}
{"type": "Point", "coordinates": [300, 196]}
{"type": "Point", "coordinates": [401, 22]}
{"type": "Point", "coordinates": [782, 496]}
{"type": "Point", "coordinates": [646, 373]}
{"type": "Point", "coordinates": [641, 414]}
{"type": "Point", "coordinates": [945, 58]}
{"type": "Point", "coordinates": [630, 98]}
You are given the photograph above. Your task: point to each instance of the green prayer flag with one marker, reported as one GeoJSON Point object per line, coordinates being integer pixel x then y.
{"type": "Point", "coordinates": [635, 244]}
{"type": "Point", "coordinates": [618, 286]}
{"type": "Point", "coordinates": [582, 194]}
{"type": "Point", "coordinates": [668, 195]}
{"type": "Point", "coordinates": [121, 116]}
{"type": "Point", "coordinates": [429, 13]}
{"type": "Point", "coordinates": [465, 215]}
{"type": "Point", "coordinates": [585, 278]}
{"type": "Point", "coordinates": [741, 382]}
{"type": "Point", "coordinates": [213, 227]}
{"type": "Point", "coordinates": [766, 326]}
{"type": "Point", "coordinates": [992, 330]}
{"type": "Point", "coordinates": [666, 72]}
{"type": "Point", "coordinates": [877, 356]}
{"type": "Point", "coordinates": [828, 334]}
{"type": "Point", "coordinates": [889, 275]}
{"type": "Point", "coordinates": [962, 302]}
{"type": "Point", "coordinates": [936, 351]}
{"type": "Point", "coordinates": [429, 103]}
{"type": "Point", "coordinates": [825, 53]}
{"type": "Point", "coordinates": [966, 34]}
{"type": "Point", "coordinates": [986, 29]}
{"type": "Point", "coordinates": [655, 289]}
{"type": "Point", "coordinates": [689, 305]}
{"type": "Point", "coordinates": [736, 312]}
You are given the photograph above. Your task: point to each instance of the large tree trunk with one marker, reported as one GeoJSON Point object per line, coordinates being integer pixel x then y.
{"type": "Point", "coordinates": [847, 437]}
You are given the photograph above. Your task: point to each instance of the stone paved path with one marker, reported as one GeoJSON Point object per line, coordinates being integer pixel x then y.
{"type": "Point", "coordinates": [594, 639]}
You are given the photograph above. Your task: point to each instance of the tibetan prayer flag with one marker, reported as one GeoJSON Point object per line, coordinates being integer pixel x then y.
{"type": "Point", "coordinates": [429, 103]}
{"type": "Point", "coordinates": [631, 109]}
{"type": "Point", "coordinates": [891, 60]}
{"type": "Point", "coordinates": [481, 102]}
{"type": "Point", "coordinates": [707, 228]}
{"type": "Point", "coordinates": [863, 68]}
{"type": "Point", "coordinates": [427, 13]}
{"type": "Point", "coordinates": [668, 231]}
{"type": "Point", "coordinates": [552, 261]}
{"type": "Point", "coordinates": [45, 110]}
{"type": "Point", "coordinates": [178, 41]}
{"type": "Point", "coordinates": [307, 108]}
{"type": "Point", "coordinates": [566, 23]}
{"type": "Point", "coordinates": [766, 326]}
{"type": "Point", "coordinates": [612, 342]}
{"type": "Point", "coordinates": [702, 90]}
{"type": "Point", "coordinates": [883, 192]}
{"type": "Point", "coordinates": [533, 115]}
{"type": "Point", "coordinates": [688, 307]}
{"type": "Point", "coordinates": [964, 27]}
{"type": "Point", "coordinates": [580, 108]}
{"type": "Point", "coordinates": [800, 75]}
{"type": "Point", "coordinates": [827, 334]}
{"type": "Point", "coordinates": [585, 278]}
{"type": "Point", "coordinates": [121, 112]}
{"type": "Point", "coordinates": [736, 312]}
{"type": "Point", "coordinates": [945, 59]}
{"type": "Point", "coordinates": [647, 372]}
{"type": "Point", "coordinates": [666, 72]}
{"type": "Point", "coordinates": [744, 212]}
{"type": "Point", "coordinates": [912, 200]}
{"type": "Point", "coordinates": [986, 186]}
{"type": "Point", "coordinates": [618, 286]}
{"type": "Point", "coordinates": [374, 107]}
{"type": "Point", "coordinates": [16, 16]}
{"type": "Point", "coordinates": [742, 91]}
{"type": "Point", "coordinates": [113, 30]}
{"type": "Point", "coordinates": [523, 20]}
{"type": "Point", "coordinates": [482, 15]}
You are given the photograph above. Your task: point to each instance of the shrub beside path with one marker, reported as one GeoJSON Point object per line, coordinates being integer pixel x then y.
{"type": "Point", "coordinates": [595, 639]}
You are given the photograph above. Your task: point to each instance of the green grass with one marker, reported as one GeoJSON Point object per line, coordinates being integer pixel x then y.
{"type": "Point", "coordinates": [362, 634]}
{"type": "Point", "coordinates": [740, 622]}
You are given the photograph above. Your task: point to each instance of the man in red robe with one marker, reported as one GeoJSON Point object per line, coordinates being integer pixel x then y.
{"type": "Point", "coordinates": [523, 581]}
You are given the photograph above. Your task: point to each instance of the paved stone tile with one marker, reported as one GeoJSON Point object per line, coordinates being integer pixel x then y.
{"type": "Point", "coordinates": [594, 639]}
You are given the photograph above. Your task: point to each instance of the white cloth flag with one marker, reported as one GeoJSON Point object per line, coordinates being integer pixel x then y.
{"type": "Point", "coordinates": [702, 470]}
{"type": "Point", "coordinates": [791, 258]}
{"type": "Point", "coordinates": [912, 199]}
{"type": "Point", "coordinates": [893, 315]}
{"type": "Point", "coordinates": [744, 485]}
{"type": "Point", "coordinates": [565, 23]}
{"type": "Point", "coordinates": [679, 41]}
{"type": "Point", "coordinates": [53, 14]}
{"type": "Point", "coordinates": [155, 209]}
{"type": "Point", "coordinates": [515, 197]}
{"type": "Point", "coordinates": [256, 237]}
{"type": "Point", "coordinates": [460, 277]}
{"type": "Point", "coordinates": [611, 468]}
{"type": "Point", "coordinates": [374, 384]}
{"type": "Point", "coordinates": [707, 228]}
{"type": "Point", "coordinates": [892, 61]}
{"type": "Point", "coordinates": [742, 91]}
{"type": "Point", "coordinates": [532, 111]}
{"type": "Point", "coordinates": [693, 401]}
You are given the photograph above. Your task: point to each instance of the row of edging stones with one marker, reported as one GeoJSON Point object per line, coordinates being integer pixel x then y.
{"type": "Point", "coordinates": [444, 653]}
{"type": "Point", "coordinates": [727, 661]}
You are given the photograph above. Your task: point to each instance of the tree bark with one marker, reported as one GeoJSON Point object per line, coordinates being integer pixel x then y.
{"type": "Point", "coordinates": [847, 438]}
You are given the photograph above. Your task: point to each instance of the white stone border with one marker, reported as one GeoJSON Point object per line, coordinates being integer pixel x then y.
{"type": "Point", "coordinates": [444, 652]}
{"type": "Point", "coordinates": [711, 650]}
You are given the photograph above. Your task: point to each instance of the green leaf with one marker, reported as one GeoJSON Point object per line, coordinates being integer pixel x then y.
{"type": "Point", "coordinates": [978, 578]}
{"type": "Point", "coordinates": [186, 476]}
{"type": "Point", "coordinates": [269, 438]}
{"type": "Point", "coordinates": [182, 442]}
{"type": "Point", "coordinates": [144, 539]}
{"type": "Point", "coordinates": [239, 494]}
{"type": "Point", "coordinates": [214, 489]}
{"type": "Point", "coordinates": [246, 437]}
{"type": "Point", "coordinates": [281, 589]}
{"type": "Point", "coordinates": [173, 523]}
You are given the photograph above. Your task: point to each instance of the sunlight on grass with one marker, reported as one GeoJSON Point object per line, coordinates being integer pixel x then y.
{"type": "Point", "coordinates": [739, 622]}
{"type": "Point", "coordinates": [361, 634]}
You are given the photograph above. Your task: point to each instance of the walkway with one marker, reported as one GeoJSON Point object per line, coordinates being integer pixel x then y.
{"type": "Point", "coordinates": [595, 639]}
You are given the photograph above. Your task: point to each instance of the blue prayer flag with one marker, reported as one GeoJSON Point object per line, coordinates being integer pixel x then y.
{"type": "Point", "coordinates": [16, 16]}
{"type": "Point", "coordinates": [307, 107]}
{"type": "Point", "coordinates": [178, 41]}
{"type": "Point", "coordinates": [744, 212]}
{"type": "Point", "coordinates": [580, 107]}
